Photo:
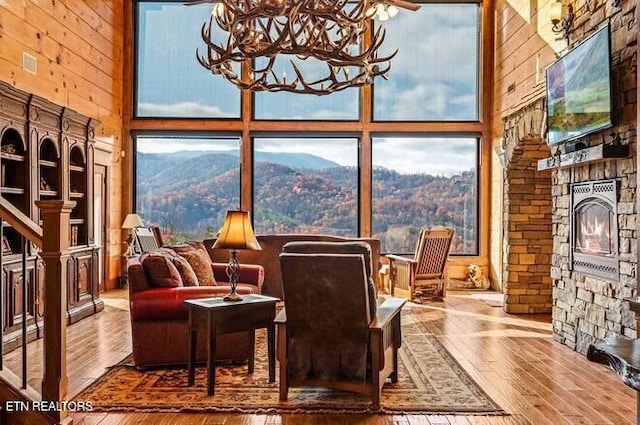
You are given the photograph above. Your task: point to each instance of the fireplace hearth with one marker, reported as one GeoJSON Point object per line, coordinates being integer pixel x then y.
{"type": "Point", "coordinates": [594, 228]}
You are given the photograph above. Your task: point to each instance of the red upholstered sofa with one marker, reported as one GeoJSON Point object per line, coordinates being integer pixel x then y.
{"type": "Point", "coordinates": [159, 319]}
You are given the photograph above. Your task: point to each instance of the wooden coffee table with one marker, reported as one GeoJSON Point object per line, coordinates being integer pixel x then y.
{"type": "Point", "coordinates": [215, 316]}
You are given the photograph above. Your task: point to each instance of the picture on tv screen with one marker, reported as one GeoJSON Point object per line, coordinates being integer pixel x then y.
{"type": "Point", "coordinates": [579, 90]}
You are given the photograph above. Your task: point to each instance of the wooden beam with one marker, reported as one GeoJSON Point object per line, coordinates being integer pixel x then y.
{"type": "Point", "coordinates": [246, 148]}
{"type": "Point", "coordinates": [486, 103]}
{"type": "Point", "coordinates": [225, 125]}
{"type": "Point", "coordinates": [366, 176]}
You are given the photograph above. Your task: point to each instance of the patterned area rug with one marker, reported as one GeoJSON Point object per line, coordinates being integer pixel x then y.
{"type": "Point", "coordinates": [430, 381]}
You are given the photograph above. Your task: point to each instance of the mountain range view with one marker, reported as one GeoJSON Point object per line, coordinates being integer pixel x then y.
{"type": "Point", "coordinates": [187, 194]}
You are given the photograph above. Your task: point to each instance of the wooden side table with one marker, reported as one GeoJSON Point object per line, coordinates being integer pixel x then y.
{"type": "Point", "coordinates": [215, 316]}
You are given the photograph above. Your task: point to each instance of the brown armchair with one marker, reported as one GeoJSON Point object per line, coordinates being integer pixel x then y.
{"type": "Point", "coordinates": [332, 333]}
{"type": "Point", "coordinates": [425, 272]}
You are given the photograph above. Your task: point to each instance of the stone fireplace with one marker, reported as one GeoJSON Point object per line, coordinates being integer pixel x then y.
{"type": "Point", "coordinates": [594, 228]}
{"type": "Point", "coordinates": [595, 252]}
{"type": "Point", "coordinates": [569, 240]}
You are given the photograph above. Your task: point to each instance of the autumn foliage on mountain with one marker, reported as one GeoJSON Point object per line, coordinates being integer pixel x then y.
{"type": "Point", "coordinates": [188, 193]}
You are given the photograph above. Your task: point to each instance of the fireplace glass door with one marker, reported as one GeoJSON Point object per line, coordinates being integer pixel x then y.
{"type": "Point", "coordinates": [594, 226]}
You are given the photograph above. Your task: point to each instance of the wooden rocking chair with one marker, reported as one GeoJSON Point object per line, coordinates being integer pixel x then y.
{"type": "Point", "coordinates": [425, 272]}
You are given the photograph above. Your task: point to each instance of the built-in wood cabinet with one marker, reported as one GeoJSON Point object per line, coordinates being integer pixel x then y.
{"type": "Point", "coordinates": [46, 152]}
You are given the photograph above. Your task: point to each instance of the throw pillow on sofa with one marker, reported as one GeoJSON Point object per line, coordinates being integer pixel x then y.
{"type": "Point", "coordinates": [160, 270]}
{"type": "Point", "coordinates": [201, 265]}
{"type": "Point", "coordinates": [198, 245]}
{"type": "Point", "coordinates": [190, 246]}
{"type": "Point", "coordinates": [189, 277]}
{"type": "Point", "coordinates": [183, 247]}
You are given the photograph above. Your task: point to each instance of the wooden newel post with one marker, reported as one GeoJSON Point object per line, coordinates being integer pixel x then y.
{"type": "Point", "coordinates": [55, 254]}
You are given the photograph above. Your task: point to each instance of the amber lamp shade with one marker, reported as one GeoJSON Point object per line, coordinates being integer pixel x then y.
{"type": "Point", "coordinates": [236, 233]}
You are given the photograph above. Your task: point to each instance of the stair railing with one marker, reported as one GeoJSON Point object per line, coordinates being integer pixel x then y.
{"type": "Point", "coordinates": [53, 241]}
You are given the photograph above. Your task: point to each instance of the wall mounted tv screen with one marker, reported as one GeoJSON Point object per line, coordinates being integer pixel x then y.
{"type": "Point", "coordinates": [579, 90]}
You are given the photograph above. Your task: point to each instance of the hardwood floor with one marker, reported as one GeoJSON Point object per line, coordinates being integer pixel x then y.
{"type": "Point", "coordinates": [513, 358]}
{"type": "Point", "coordinates": [93, 343]}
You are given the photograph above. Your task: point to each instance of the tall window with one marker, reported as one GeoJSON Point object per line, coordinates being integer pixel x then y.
{"type": "Point", "coordinates": [422, 181]}
{"type": "Point", "coordinates": [306, 185]}
{"type": "Point", "coordinates": [304, 168]}
{"type": "Point", "coordinates": [186, 185]}
{"type": "Point", "coordinates": [435, 72]}
{"type": "Point", "coordinates": [170, 82]}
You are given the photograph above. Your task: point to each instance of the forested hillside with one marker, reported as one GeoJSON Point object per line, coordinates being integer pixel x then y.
{"type": "Point", "coordinates": [188, 195]}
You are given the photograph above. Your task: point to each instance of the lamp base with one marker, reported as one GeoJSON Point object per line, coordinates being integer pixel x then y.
{"type": "Point", "coordinates": [233, 296]}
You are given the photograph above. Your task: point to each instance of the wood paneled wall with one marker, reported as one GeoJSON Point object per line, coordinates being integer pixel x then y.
{"type": "Point", "coordinates": [78, 47]}
{"type": "Point", "coordinates": [524, 46]}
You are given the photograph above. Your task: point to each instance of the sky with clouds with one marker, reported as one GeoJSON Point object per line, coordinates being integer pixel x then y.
{"type": "Point", "coordinates": [434, 74]}
{"type": "Point", "coordinates": [171, 82]}
{"type": "Point", "coordinates": [432, 77]}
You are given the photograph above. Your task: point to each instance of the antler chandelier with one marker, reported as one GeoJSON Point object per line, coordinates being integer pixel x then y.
{"type": "Point", "coordinates": [261, 33]}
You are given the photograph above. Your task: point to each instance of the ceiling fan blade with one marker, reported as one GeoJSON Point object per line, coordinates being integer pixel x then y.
{"type": "Point", "coordinates": [405, 4]}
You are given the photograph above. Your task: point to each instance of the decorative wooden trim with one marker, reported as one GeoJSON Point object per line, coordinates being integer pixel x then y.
{"type": "Point", "coordinates": [13, 104]}
{"type": "Point", "coordinates": [595, 153]}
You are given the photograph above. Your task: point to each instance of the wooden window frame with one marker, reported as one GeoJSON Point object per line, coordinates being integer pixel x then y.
{"type": "Point", "coordinates": [363, 128]}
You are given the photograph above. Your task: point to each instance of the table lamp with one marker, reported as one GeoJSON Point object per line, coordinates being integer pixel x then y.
{"type": "Point", "coordinates": [236, 233]}
{"type": "Point", "coordinates": [131, 221]}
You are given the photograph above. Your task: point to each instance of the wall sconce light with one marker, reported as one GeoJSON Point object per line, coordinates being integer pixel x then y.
{"type": "Point", "coordinates": [562, 19]}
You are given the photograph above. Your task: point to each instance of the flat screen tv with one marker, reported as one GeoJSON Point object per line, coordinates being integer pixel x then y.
{"type": "Point", "coordinates": [579, 90]}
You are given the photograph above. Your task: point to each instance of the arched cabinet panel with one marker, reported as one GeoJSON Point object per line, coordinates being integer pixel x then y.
{"type": "Point", "coordinates": [14, 179]}
{"type": "Point", "coordinates": [49, 167]}
{"type": "Point", "coordinates": [78, 193]}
